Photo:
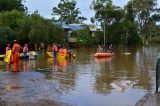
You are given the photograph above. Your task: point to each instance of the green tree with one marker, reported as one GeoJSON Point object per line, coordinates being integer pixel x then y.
{"type": "Point", "coordinates": [42, 30]}
{"type": "Point", "coordinates": [143, 11]}
{"type": "Point", "coordinates": [55, 33]}
{"type": "Point", "coordinates": [9, 5]}
{"type": "Point", "coordinates": [111, 17]}
{"type": "Point", "coordinates": [38, 30]}
{"type": "Point", "coordinates": [7, 36]}
{"type": "Point", "coordinates": [130, 26]}
{"type": "Point", "coordinates": [12, 19]}
{"type": "Point", "coordinates": [68, 12]}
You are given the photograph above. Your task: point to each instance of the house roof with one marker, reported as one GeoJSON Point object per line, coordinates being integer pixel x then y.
{"type": "Point", "coordinates": [72, 27]}
{"type": "Point", "coordinates": [64, 25]}
{"type": "Point", "coordinates": [75, 27]}
{"type": "Point", "coordinates": [95, 28]}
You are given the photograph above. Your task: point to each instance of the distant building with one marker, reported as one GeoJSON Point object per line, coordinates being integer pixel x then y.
{"type": "Point", "coordinates": [94, 28]}
{"type": "Point", "coordinates": [68, 28]}
{"type": "Point", "coordinates": [72, 27]}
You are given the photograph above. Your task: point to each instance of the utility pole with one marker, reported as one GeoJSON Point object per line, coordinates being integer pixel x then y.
{"type": "Point", "coordinates": [64, 41]}
{"type": "Point", "coordinates": [126, 38]}
{"type": "Point", "coordinates": [104, 29]}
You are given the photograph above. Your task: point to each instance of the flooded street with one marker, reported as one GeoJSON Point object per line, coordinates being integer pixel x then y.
{"type": "Point", "coordinates": [121, 80]}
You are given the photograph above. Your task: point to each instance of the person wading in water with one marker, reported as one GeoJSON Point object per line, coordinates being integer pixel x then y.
{"type": "Point", "coordinates": [25, 51]}
{"type": "Point", "coordinates": [7, 58]}
{"type": "Point", "coordinates": [54, 50]}
{"type": "Point", "coordinates": [16, 56]}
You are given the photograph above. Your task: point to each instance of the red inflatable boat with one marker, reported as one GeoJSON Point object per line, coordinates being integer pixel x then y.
{"type": "Point", "coordinates": [103, 54]}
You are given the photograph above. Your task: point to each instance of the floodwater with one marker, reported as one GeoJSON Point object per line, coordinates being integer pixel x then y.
{"type": "Point", "coordinates": [121, 80]}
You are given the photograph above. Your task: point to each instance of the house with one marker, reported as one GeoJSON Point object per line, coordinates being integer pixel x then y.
{"type": "Point", "coordinates": [93, 28]}
{"type": "Point", "coordinates": [71, 27]}
{"type": "Point", "coordinates": [68, 28]}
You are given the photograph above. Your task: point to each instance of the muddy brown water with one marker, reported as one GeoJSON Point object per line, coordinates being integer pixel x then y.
{"type": "Point", "coordinates": [121, 80]}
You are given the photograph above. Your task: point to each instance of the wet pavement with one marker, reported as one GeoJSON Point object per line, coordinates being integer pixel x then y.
{"type": "Point", "coordinates": [28, 89]}
{"type": "Point", "coordinates": [150, 100]}
{"type": "Point", "coordinates": [33, 89]}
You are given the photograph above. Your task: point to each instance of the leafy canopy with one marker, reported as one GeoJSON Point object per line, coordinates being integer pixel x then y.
{"type": "Point", "coordinates": [68, 12]}
{"type": "Point", "coordinates": [9, 5]}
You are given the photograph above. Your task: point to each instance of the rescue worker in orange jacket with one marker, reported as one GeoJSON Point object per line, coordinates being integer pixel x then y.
{"type": "Point", "coordinates": [16, 56]}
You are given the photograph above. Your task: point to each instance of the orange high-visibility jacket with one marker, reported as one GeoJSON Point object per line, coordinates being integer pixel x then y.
{"type": "Point", "coordinates": [16, 50]}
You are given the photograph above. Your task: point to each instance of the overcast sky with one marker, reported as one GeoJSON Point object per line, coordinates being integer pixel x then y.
{"type": "Point", "coordinates": [45, 7]}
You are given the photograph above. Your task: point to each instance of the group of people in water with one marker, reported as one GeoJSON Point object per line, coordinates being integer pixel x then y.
{"type": "Point", "coordinates": [62, 50]}
{"type": "Point", "coordinates": [13, 54]}
{"type": "Point", "coordinates": [101, 49]}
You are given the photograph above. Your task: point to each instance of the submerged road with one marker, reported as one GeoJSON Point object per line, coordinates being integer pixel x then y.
{"type": "Point", "coordinates": [84, 81]}
{"type": "Point", "coordinates": [28, 89]}
{"type": "Point", "coordinates": [150, 100]}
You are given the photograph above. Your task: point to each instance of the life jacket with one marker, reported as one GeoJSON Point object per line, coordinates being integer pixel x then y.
{"type": "Point", "coordinates": [16, 49]}
{"type": "Point", "coordinates": [7, 58]}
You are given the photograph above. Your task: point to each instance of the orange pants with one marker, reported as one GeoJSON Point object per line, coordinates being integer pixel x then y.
{"type": "Point", "coordinates": [16, 63]}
